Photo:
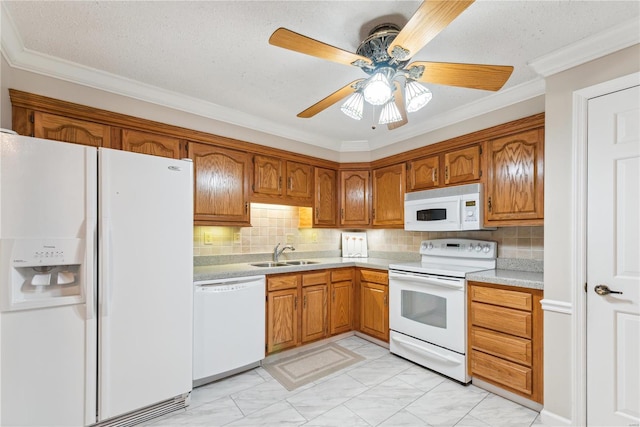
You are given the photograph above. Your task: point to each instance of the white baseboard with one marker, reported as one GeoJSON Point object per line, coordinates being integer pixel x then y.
{"type": "Point", "coordinates": [551, 419]}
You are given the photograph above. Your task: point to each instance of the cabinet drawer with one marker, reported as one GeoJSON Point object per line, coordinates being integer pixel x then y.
{"type": "Point", "coordinates": [503, 297]}
{"type": "Point", "coordinates": [276, 283]}
{"type": "Point", "coordinates": [341, 275]}
{"type": "Point", "coordinates": [310, 279]}
{"type": "Point", "coordinates": [501, 371]}
{"type": "Point", "coordinates": [374, 276]}
{"type": "Point", "coordinates": [507, 320]}
{"type": "Point", "coordinates": [501, 345]}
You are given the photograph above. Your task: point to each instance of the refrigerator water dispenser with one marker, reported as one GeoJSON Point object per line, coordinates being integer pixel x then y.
{"type": "Point", "coordinates": [41, 273]}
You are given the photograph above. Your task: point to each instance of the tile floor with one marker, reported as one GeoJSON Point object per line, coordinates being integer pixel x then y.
{"type": "Point", "coordinates": [382, 390]}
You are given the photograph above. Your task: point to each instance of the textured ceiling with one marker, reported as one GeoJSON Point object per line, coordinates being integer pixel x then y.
{"type": "Point", "coordinates": [216, 53]}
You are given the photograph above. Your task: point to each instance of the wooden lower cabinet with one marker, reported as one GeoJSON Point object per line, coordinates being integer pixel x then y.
{"type": "Point", "coordinates": [305, 307]}
{"type": "Point", "coordinates": [505, 338]}
{"type": "Point", "coordinates": [374, 303]}
{"type": "Point", "coordinates": [341, 301]}
{"type": "Point", "coordinates": [282, 312]}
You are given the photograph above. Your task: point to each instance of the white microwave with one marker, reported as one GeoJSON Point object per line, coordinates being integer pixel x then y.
{"type": "Point", "coordinates": [456, 208]}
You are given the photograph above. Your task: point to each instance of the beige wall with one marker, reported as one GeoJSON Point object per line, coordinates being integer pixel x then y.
{"type": "Point", "coordinates": [559, 223]}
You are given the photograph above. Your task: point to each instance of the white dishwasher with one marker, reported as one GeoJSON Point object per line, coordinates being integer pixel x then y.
{"type": "Point", "coordinates": [228, 327]}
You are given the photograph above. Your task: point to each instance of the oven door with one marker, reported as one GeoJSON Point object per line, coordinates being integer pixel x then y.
{"type": "Point", "coordinates": [429, 308]}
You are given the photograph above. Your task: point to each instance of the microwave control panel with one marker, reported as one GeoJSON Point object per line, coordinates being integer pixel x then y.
{"type": "Point", "coordinates": [470, 211]}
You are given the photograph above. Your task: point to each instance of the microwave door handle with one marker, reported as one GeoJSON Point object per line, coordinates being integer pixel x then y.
{"type": "Point", "coordinates": [427, 280]}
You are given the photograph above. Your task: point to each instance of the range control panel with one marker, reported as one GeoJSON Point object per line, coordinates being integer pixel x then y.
{"type": "Point", "coordinates": [459, 248]}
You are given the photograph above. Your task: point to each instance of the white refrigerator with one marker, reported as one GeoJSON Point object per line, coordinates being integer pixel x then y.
{"type": "Point", "coordinates": [96, 273]}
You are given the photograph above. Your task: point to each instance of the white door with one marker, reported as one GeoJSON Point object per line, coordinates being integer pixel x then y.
{"type": "Point", "coordinates": [613, 259]}
{"type": "Point", "coordinates": [146, 280]}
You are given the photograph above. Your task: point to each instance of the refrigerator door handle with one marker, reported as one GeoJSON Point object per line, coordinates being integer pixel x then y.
{"type": "Point", "coordinates": [105, 267]}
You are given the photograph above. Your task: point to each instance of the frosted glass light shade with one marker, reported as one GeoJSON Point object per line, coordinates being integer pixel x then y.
{"type": "Point", "coordinates": [353, 106]}
{"type": "Point", "coordinates": [417, 96]}
{"type": "Point", "coordinates": [377, 91]}
{"type": "Point", "coordinates": [390, 113]}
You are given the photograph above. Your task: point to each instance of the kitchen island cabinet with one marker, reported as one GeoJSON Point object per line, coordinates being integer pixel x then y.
{"type": "Point", "coordinates": [505, 338]}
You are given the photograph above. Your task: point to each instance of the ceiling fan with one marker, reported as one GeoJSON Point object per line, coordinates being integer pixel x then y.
{"type": "Point", "coordinates": [384, 55]}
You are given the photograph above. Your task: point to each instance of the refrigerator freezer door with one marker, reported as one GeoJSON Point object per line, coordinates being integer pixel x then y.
{"type": "Point", "coordinates": [48, 350]}
{"type": "Point", "coordinates": [145, 283]}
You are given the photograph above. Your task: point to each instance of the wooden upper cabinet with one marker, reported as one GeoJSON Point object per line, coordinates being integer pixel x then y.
{"type": "Point", "coordinates": [423, 173]}
{"type": "Point", "coordinates": [267, 175]}
{"type": "Point", "coordinates": [221, 193]}
{"type": "Point", "coordinates": [354, 198]}
{"type": "Point", "coordinates": [299, 180]}
{"type": "Point", "coordinates": [462, 166]}
{"type": "Point", "coordinates": [389, 186]}
{"type": "Point", "coordinates": [514, 193]}
{"type": "Point", "coordinates": [277, 180]}
{"type": "Point", "coordinates": [66, 129]}
{"type": "Point", "coordinates": [326, 198]}
{"type": "Point", "coordinates": [459, 166]}
{"type": "Point", "coordinates": [149, 143]}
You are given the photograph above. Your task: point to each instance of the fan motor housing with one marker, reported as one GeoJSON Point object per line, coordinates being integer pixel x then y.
{"type": "Point", "coordinates": [375, 47]}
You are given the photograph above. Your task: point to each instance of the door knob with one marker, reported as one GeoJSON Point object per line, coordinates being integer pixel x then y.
{"type": "Point", "coordinates": [604, 290]}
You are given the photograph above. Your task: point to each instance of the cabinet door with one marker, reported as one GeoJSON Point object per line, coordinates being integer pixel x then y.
{"type": "Point", "coordinates": [267, 175]}
{"type": "Point", "coordinates": [374, 310]}
{"type": "Point", "coordinates": [314, 312]}
{"type": "Point", "coordinates": [461, 166]}
{"type": "Point", "coordinates": [282, 320]}
{"type": "Point", "coordinates": [221, 193]}
{"type": "Point", "coordinates": [389, 186]}
{"type": "Point", "coordinates": [59, 128]}
{"type": "Point", "coordinates": [515, 179]}
{"type": "Point", "coordinates": [341, 318]}
{"type": "Point", "coordinates": [326, 198]}
{"type": "Point", "coordinates": [299, 180]}
{"type": "Point", "coordinates": [424, 173]}
{"type": "Point", "coordinates": [354, 198]}
{"type": "Point", "coordinates": [149, 143]}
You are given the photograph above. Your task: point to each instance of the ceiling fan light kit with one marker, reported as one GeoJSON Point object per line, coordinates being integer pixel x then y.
{"type": "Point", "coordinates": [385, 54]}
{"type": "Point", "coordinates": [354, 106]}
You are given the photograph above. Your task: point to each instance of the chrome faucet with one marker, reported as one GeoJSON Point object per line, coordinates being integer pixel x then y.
{"type": "Point", "coordinates": [277, 252]}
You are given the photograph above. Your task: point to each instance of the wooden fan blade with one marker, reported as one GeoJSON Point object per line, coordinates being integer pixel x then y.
{"type": "Point", "coordinates": [475, 76]}
{"type": "Point", "coordinates": [398, 95]}
{"type": "Point", "coordinates": [329, 100]}
{"type": "Point", "coordinates": [288, 39]}
{"type": "Point", "coordinates": [430, 18]}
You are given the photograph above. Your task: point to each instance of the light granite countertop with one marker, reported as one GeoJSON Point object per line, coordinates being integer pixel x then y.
{"type": "Point", "coordinates": [510, 272]}
{"type": "Point", "coordinates": [522, 279]}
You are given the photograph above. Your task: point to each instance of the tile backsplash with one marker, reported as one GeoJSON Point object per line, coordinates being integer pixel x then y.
{"type": "Point", "coordinates": [272, 224]}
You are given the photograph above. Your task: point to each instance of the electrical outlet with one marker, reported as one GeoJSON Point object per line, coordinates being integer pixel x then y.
{"type": "Point", "coordinates": [314, 237]}
{"type": "Point", "coordinates": [290, 238]}
{"type": "Point", "coordinates": [208, 238]}
{"type": "Point", "coordinates": [237, 238]}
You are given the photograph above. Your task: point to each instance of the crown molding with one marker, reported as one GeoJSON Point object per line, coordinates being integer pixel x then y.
{"type": "Point", "coordinates": [590, 48]}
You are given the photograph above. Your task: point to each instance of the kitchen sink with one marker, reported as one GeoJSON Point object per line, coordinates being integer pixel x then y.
{"type": "Point", "coordinates": [270, 264]}
{"type": "Point", "coordinates": [302, 262]}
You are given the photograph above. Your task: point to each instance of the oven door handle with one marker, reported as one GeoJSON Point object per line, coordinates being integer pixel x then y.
{"type": "Point", "coordinates": [452, 284]}
{"type": "Point", "coordinates": [428, 352]}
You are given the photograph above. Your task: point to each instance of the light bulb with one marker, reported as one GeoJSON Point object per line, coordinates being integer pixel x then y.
{"type": "Point", "coordinates": [377, 91]}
